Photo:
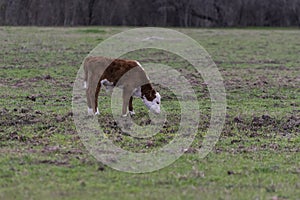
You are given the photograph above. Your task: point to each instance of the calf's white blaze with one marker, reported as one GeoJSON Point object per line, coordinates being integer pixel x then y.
{"type": "Point", "coordinates": [153, 105]}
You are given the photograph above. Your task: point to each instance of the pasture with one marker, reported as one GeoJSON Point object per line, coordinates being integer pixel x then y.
{"type": "Point", "coordinates": [256, 157]}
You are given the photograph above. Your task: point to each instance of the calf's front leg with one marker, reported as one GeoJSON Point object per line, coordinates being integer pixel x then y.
{"type": "Point", "coordinates": [130, 106]}
{"type": "Point", "coordinates": [126, 99]}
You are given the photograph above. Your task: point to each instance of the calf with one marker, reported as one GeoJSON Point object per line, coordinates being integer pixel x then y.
{"type": "Point", "coordinates": [126, 74]}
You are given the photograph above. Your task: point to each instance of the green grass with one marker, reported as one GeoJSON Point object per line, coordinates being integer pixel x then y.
{"type": "Point", "coordinates": [257, 156]}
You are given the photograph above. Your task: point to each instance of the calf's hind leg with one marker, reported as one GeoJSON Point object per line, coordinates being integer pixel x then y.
{"type": "Point", "coordinates": [130, 106]}
{"type": "Point", "coordinates": [90, 109]}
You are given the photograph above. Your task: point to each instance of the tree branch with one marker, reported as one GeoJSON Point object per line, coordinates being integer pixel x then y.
{"type": "Point", "coordinates": [201, 16]}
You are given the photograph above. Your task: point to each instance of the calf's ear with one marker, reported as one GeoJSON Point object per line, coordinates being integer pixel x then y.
{"type": "Point", "coordinates": [152, 95]}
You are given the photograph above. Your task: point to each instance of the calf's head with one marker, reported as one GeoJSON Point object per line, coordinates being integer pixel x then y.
{"type": "Point", "coordinates": [152, 101]}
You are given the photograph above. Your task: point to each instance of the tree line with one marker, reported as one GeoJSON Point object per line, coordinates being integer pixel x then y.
{"type": "Point", "coordinates": [183, 13]}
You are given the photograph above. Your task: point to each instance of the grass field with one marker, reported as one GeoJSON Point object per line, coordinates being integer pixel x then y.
{"type": "Point", "coordinates": [256, 157]}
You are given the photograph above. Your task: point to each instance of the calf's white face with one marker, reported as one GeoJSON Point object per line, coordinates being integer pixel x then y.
{"type": "Point", "coordinates": [153, 105]}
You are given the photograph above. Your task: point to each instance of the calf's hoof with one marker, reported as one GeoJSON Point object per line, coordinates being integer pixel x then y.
{"type": "Point", "coordinates": [91, 112]}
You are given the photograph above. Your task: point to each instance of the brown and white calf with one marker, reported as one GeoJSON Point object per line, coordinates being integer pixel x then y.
{"type": "Point", "coordinates": [126, 74]}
